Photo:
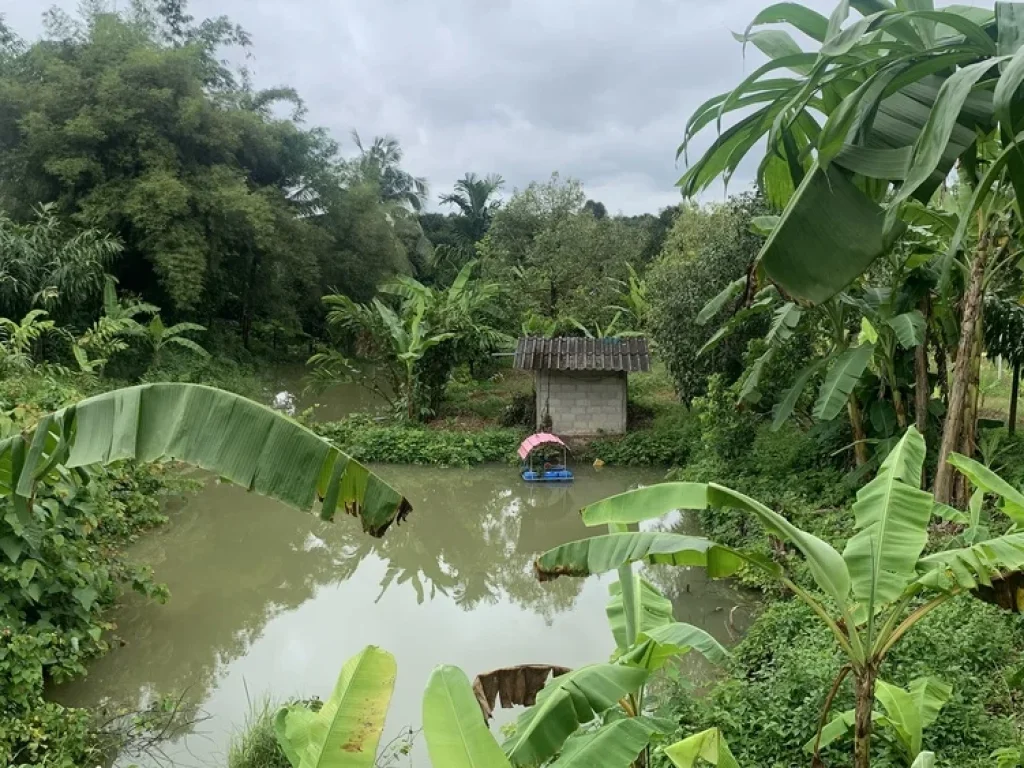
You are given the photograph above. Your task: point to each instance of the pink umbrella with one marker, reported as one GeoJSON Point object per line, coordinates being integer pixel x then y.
{"type": "Point", "coordinates": [541, 438]}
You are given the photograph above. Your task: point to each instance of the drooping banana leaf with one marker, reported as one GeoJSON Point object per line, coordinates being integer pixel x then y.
{"type": "Point", "coordinates": [346, 730]}
{"type": "Point", "coordinates": [600, 554]}
{"type": "Point", "coordinates": [714, 306]}
{"type": "Point", "coordinates": [456, 734]}
{"type": "Point", "coordinates": [566, 703]}
{"type": "Point", "coordinates": [984, 478]}
{"type": "Point", "coordinates": [826, 565]}
{"type": "Point", "coordinates": [658, 500]}
{"type": "Point", "coordinates": [652, 610]}
{"type": "Point", "coordinates": [829, 234]}
{"type": "Point", "coordinates": [840, 381]}
{"type": "Point", "coordinates": [615, 745]}
{"type": "Point", "coordinates": [656, 646]}
{"type": "Point", "coordinates": [974, 566]}
{"type": "Point", "coordinates": [707, 745]}
{"type": "Point", "coordinates": [243, 441]}
{"type": "Point", "coordinates": [891, 520]}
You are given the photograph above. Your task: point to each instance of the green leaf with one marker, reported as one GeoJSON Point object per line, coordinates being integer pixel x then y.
{"type": "Point", "coordinates": [825, 564]}
{"type": "Point", "coordinates": [615, 745]}
{"type": "Point", "coordinates": [931, 144]}
{"type": "Point", "coordinates": [811, 23]}
{"type": "Point", "coordinates": [837, 728]}
{"type": "Point", "coordinates": [600, 554]}
{"type": "Point", "coordinates": [909, 328]}
{"type": "Point", "coordinates": [891, 520]}
{"type": "Point", "coordinates": [655, 501]}
{"type": "Point", "coordinates": [984, 478]}
{"type": "Point", "coordinates": [842, 377]}
{"type": "Point", "coordinates": [829, 234]}
{"type": "Point", "coordinates": [346, 730]}
{"type": "Point", "coordinates": [12, 547]}
{"type": "Point", "coordinates": [566, 703]}
{"type": "Point", "coordinates": [929, 694]}
{"type": "Point", "coordinates": [785, 407]}
{"type": "Point", "coordinates": [973, 566]}
{"type": "Point", "coordinates": [652, 608]}
{"type": "Point", "coordinates": [1006, 91]}
{"type": "Point", "coordinates": [708, 745]}
{"type": "Point", "coordinates": [457, 735]}
{"type": "Point", "coordinates": [714, 306]}
{"type": "Point", "coordinates": [86, 596]}
{"type": "Point", "coordinates": [656, 646]}
{"type": "Point", "coordinates": [243, 441]}
{"type": "Point", "coordinates": [924, 760]}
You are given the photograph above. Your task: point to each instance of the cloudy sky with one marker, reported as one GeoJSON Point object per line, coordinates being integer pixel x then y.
{"type": "Point", "coordinates": [596, 89]}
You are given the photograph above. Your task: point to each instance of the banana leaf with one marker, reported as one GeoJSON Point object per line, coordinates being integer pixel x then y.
{"type": "Point", "coordinates": [840, 380]}
{"type": "Point", "coordinates": [615, 745]}
{"type": "Point", "coordinates": [240, 440]}
{"type": "Point", "coordinates": [652, 608]}
{"type": "Point", "coordinates": [656, 646]}
{"type": "Point", "coordinates": [566, 703]}
{"type": "Point", "coordinates": [456, 734]}
{"type": "Point", "coordinates": [891, 522]}
{"type": "Point", "coordinates": [984, 478]}
{"type": "Point", "coordinates": [707, 745]}
{"type": "Point", "coordinates": [347, 729]}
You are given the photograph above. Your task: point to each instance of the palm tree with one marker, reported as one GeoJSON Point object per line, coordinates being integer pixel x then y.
{"type": "Point", "coordinates": [380, 163]}
{"type": "Point", "coordinates": [473, 197]}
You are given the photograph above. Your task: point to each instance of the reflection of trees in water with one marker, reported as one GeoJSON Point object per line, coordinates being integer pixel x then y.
{"type": "Point", "coordinates": [234, 561]}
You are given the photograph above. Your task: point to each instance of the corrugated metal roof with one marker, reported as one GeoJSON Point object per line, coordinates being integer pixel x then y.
{"type": "Point", "coordinates": [573, 353]}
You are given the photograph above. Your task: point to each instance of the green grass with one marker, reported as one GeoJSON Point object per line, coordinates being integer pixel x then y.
{"type": "Point", "coordinates": [255, 746]}
{"type": "Point", "coordinates": [995, 393]}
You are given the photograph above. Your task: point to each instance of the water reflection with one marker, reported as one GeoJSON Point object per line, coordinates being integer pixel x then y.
{"type": "Point", "coordinates": [267, 599]}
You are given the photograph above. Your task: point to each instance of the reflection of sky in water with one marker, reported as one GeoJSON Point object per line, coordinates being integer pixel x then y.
{"type": "Point", "coordinates": [268, 600]}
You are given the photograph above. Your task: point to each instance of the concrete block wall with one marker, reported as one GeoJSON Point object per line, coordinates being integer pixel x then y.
{"type": "Point", "coordinates": [582, 402]}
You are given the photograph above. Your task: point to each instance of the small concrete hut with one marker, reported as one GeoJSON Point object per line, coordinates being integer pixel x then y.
{"type": "Point", "coordinates": [580, 383]}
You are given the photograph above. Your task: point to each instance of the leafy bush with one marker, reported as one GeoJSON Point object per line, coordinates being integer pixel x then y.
{"type": "Point", "coordinates": [60, 566]}
{"type": "Point", "coordinates": [706, 249]}
{"type": "Point", "coordinates": [769, 704]}
{"type": "Point", "coordinates": [366, 440]}
{"type": "Point", "coordinates": [669, 441]}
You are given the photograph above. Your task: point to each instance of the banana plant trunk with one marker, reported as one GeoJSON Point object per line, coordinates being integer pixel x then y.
{"type": "Point", "coordinates": [922, 389]}
{"type": "Point", "coordinates": [860, 446]}
{"type": "Point", "coordinates": [864, 691]}
{"type": "Point", "coordinates": [962, 372]}
{"type": "Point", "coordinates": [969, 432]}
{"type": "Point", "coordinates": [1014, 393]}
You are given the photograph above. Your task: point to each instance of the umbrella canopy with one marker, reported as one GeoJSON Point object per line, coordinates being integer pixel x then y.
{"type": "Point", "coordinates": [541, 438]}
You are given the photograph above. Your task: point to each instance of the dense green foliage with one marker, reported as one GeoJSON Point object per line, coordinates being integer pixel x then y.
{"type": "Point", "coordinates": [769, 703]}
{"type": "Point", "coordinates": [410, 444]}
{"type": "Point", "coordinates": [705, 250]}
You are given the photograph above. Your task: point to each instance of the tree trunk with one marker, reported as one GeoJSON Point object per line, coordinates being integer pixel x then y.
{"type": "Point", "coordinates": [900, 408]}
{"type": "Point", "coordinates": [1014, 392]}
{"type": "Point", "coordinates": [969, 431]}
{"type": "Point", "coordinates": [864, 692]}
{"type": "Point", "coordinates": [922, 388]}
{"type": "Point", "coordinates": [961, 373]}
{"type": "Point", "coordinates": [860, 447]}
{"type": "Point", "coordinates": [942, 372]}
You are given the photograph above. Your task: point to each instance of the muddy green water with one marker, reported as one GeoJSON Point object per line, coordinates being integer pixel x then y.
{"type": "Point", "coordinates": [268, 600]}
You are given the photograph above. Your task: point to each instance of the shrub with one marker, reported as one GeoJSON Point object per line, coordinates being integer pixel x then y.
{"type": "Point", "coordinates": [769, 703]}
{"type": "Point", "coordinates": [669, 441]}
{"type": "Point", "coordinates": [706, 249]}
{"type": "Point", "coordinates": [412, 444]}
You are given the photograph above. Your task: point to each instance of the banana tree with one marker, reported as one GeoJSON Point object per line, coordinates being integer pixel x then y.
{"type": "Point", "coordinates": [160, 336]}
{"type": "Point", "coordinates": [240, 440]}
{"type": "Point", "coordinates": [906, 91]}
{"type": "Point", "coordinates": [870, 595]}
{"type": "Point", "coordinates": [345, 731]}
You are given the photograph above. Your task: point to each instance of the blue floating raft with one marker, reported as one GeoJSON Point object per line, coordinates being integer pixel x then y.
{"type": "Point", "coordinates": [549, 474]}
{"type": "Point", "coordinates": [555, 475]}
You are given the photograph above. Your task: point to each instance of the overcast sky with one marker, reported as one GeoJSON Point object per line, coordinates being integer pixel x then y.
{"type": "Point", "coordinates": [595, 89]}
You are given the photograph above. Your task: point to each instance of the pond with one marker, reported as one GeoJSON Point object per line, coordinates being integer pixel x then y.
{"type": "Point", "coordinates": [268, 600]}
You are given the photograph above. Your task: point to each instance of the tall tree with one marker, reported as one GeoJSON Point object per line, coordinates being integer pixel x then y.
{"type": "Point", "coordinates": [473, 197]}
{"type": "Point", "coordinates": [381, 163]}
